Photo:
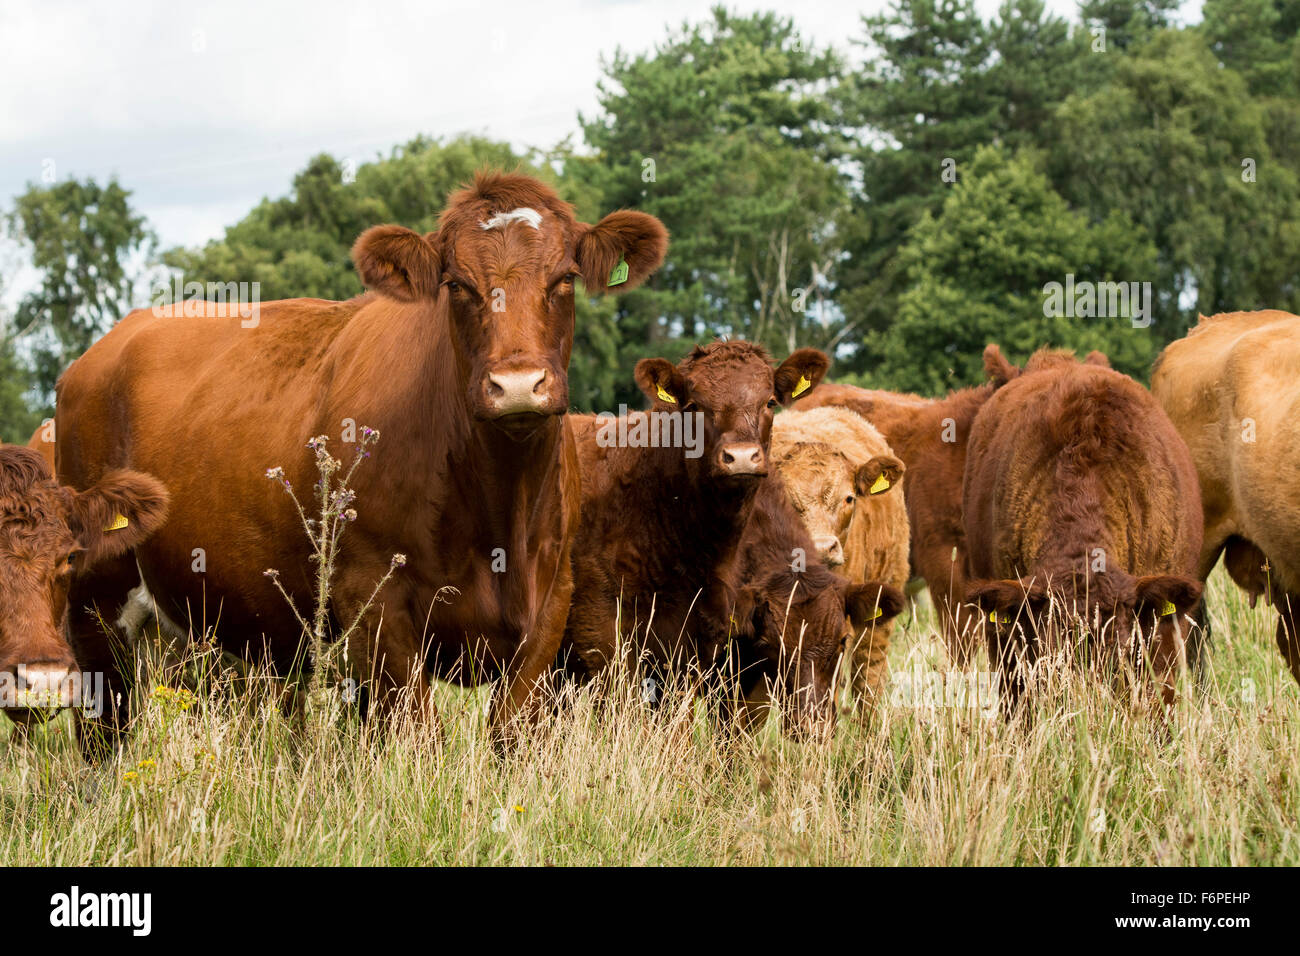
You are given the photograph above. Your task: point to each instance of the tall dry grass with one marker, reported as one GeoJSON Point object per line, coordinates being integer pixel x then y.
{"type": "Point", "coordinates": [221, 778]}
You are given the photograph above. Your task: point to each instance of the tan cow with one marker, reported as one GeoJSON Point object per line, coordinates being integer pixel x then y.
{"type": "Point", "coordinates": [845, 482]}
{"type": "Point", "coordinates": [1232, 389]}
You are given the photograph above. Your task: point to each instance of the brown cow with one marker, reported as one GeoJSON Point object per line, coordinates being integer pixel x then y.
{"type": "Point", "coordinates": [930, 435]}
{"type": "Point", "coordinates": [1232, 389]}
{"type": "Point", "coordinates": [1082, 499]}
{"type": "Point", "coordinates": [459, 357]}
{"type": "Point", "coordinates": [659, 562]}
{"type": "Point", "coordinates": [846, 485]}
{"type": "Point", "coordinates": [46, 530]}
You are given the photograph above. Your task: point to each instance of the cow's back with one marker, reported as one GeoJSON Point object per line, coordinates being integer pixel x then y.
{"type": "Point", "coordinates": [208, 403]}
{"type": "Point", "coordinates": [1232, 389]}
{"type": "Point", "coordinates": [1071, 458]}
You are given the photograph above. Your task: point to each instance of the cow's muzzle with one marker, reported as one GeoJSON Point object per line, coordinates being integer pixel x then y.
{"type": "Point", "coordinates": [514, 396]}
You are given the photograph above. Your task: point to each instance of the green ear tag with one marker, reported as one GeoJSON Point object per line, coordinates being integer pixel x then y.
{"type": "Point", "coordinates": [618, 275]}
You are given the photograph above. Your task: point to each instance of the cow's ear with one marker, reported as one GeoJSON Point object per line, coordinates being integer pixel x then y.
{"type": "Point", "coordinates": [997, 369]}
{"type": "Point", "coordinates": [118, 513]}
{"type": "Point", "coordinates": [1167, 594]}
{"type": "Point", "coordinates": [661, 382]}
{"type": "Point", "coordinates": [872, 603]}
{"type": "Point", "coordinates": [747, 613]}
{"type": "Point", "coordinates": [800, 373]}
{"type": "Point", "coordinates": [397, 262]}
{"type": "Point", "coordinates": [878, 475]}
{"type": "Point", "coordinates": [1097, 358]}
{"type": "Point", "coordinates": [621, 251]}
{"type": "Point", "coordinates": [1000, 602]}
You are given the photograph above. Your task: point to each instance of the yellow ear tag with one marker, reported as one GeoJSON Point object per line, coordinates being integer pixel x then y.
{"type": "Point", "coordinates": [802, 387]}
{"type": "Point", "coordinates": [993, 618]}
{"type": "Point", "coordinates": [1167, 608]}
{"type": "Point", "coordinates": [664, 394]}
{"type": "Point", "coordinates": [879, 611]}
{"type": "Point", "coordinates": [118, 524]}
{"type": "Point", "coordinates": [881, 484]}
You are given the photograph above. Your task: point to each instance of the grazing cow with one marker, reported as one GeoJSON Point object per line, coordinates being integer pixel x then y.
{"type": "Point", "coordinates": [846, 485]}
{"type": "Point", "coordinates": [930, 436]}
{"type": "Point", "coordinates": [45, 530]}
{"type": "Point", "coordinates": [797, 613]}
{"type": "Point", "coordinates": [659, 563]}
{"type": "Point", "coordinates": [1232, 389]}
{"type": "Point", "coordinates": [1081, 498]}
{"type": "Point", "coordinates": [459, 356]}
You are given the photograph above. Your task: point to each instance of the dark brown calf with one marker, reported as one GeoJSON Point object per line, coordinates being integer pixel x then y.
{"type": "Point", "coordinates": [796, 607]}
{"type": "Point", "coordinates": [1082, 499]}
{"type": "Point", "coordinates": [45, 531]}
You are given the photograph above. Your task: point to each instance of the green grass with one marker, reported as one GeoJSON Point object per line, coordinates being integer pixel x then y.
{"type": "Point", "coordinates": [1089, 781]}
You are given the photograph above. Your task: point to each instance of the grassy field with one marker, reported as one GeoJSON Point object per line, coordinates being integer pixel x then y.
{"type": "Point", "coordinates": [224, 781]}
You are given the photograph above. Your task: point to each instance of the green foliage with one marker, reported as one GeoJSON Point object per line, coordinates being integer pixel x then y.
{"type": "Point", "coordinates": [86, 242]}
{"type": "Point", "coordinates": [299, 245]}
{"type": "Point", "coordinates": [976, 274]}
{"type": "Point", "coordinates": [938, 82]}
{"type": "Point", "coordinates": [1165, 143]}
{"type": "Point", "coordinates": [723, 132]}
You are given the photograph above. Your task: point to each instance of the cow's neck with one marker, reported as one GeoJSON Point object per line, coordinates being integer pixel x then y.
{"type": "Point", "coordinates": [715, 513]}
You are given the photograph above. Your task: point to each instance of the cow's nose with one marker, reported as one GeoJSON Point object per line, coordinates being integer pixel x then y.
{"type": "Point", "coordinates": [43, 684]}
{"type": "Point", "coordinates": [829, 549]}
{"type": "Point", "coordinates": [744, 459]}
{"type": "Point", "coordinates": [519, 391]}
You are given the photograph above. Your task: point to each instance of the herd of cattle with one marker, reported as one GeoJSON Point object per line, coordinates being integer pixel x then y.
{"type": "Point", "coordinates": [1057, 499]}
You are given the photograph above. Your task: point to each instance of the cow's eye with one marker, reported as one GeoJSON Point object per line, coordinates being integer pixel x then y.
{"type": "Point", "coordinates": [771, 402]}
{"type": "Point", "coordinates": [690, 407]}
{"type": "Point", "coordinates": [569, 278]}
{"type": "Point", "coordinates": [71, 559]}
{"type": "Point", "coordinates": [848, 500]}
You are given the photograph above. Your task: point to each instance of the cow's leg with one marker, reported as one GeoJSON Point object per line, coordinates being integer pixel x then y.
{"type": "Point", "coordinates": [520, 695]}
{"type": "Point", "coordinates": [385, 654]}
{"type": "Point", "coordinates": [944, 570]}
{"type": "Point", "coordinates": [1288, 630]}
{"type": "Point", "coordinates": [94, 602]}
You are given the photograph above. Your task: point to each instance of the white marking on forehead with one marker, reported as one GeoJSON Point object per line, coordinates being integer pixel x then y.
{"type": "Point", "coordinates": [522, 214]}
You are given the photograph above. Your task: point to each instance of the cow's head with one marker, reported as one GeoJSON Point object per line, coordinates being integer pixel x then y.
{"type": "Point", "coordinates": [799, 629]}
{"type": "Point", "coordinates": [47, 531]}
{"type": "Point", "coordinates": [827, 490]}
{"type": "Point", "coordinates": [734, 390]}
{"type": "Point", "coordinates": [504, 263]}
{"type": "Point", "coordinates": [1126, 612]}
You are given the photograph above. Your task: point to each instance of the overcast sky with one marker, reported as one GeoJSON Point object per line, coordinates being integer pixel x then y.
{"type": "Point", "coordinates": [203, 108]}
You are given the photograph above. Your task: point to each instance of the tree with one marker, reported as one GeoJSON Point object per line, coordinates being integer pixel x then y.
{"type": "Point", "coordinates": [1178, 142]}
{"type": "Point", "coordinates": [937, 83]}
{"type": "Point", "coordinates": [90, 248]}
{"type": "Point", "coordinates": [977, 273]}
{"type": "Point", "coordinates": [724, 132]}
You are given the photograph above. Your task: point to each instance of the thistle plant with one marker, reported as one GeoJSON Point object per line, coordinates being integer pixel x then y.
{"type": "Point", "coordinates": [334, 512]}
